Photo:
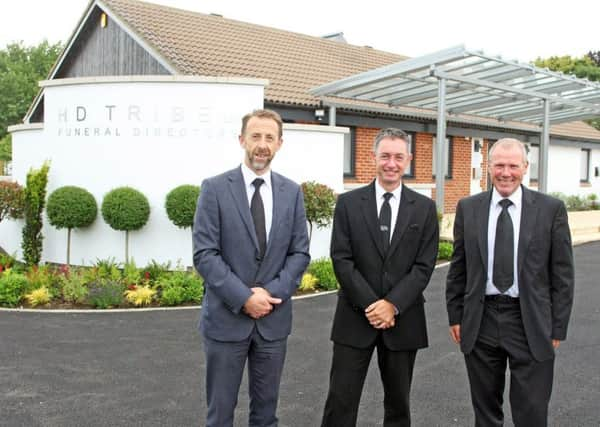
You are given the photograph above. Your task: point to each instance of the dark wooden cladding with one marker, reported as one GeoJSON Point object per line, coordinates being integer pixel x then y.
{"type": "Point", "coordinates": [108, 51]}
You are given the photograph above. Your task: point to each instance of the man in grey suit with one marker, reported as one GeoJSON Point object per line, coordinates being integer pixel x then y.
{"type": "Point", "coordinates": [509, 290]}
{"type": "Point", "coordinates": [251, 246]}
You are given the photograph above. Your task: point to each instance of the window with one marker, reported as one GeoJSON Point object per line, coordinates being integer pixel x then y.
{"type": "Point", "coordinates": [447, 158]}
{"type": "Point", "coordinates": [349, 149]}
{"type": "Point", "coordinates": [534, 162]}
{"type": "Point", "coordinates": [410, 170]}
{"type": "Point", "coordinates": [584, 174]}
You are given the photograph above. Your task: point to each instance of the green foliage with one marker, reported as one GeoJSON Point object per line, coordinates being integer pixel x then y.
{"type": "Point", "coordinates": [319, 202]}
{"type": "Point", "coordinates": [180, 287]}
{"type": "Point", "coordinates": [21, 67]}
{"type": "Point", "coordinates": [131, 274]}
{"type": "Point", "coordinates": [445, 250]}
{"type": "Point", "coordinates": [6, 261]}
{"type": "Point", "coordinates": [6, 149]}
{"type": "Point", "coordinates": [71, 207]}
{"type": "Point", "coordinates": [155, 270]}
{"type": "Point", "coordinates": [587, 67]}
{"type": "Point", "coordinates": [12, 200]}
{"type": "Point", "coordinates": [180, 205]}
{"type": "Point", "coordinates": [106, 293]}
{"type": "Point", "coordinates": [34, 197]}
{"type": "Point", "coordinates": [322, 269]}
{"type": "Point", "coordinates": [74, 288]}
{"type": "Point", "coordinates": [125, 209]}
{"type": "Point", "coordinates": [578, 203]}
{"type": "Point", "coordinates": [106, 269]}
{"type": "Point", "coordinates": [12, 286]}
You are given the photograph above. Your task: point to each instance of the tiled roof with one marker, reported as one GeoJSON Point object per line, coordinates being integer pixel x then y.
{"type": "Point", "coordinates": [211, 45]}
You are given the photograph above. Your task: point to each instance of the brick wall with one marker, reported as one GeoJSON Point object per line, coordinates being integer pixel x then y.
{"type": "Point", "coordinates": [457, 187]}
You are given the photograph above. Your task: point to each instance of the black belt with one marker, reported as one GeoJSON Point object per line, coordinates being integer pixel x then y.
{"type": "Point", "coordinates": [504, 299]}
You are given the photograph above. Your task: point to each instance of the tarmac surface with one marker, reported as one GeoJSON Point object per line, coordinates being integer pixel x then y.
{"type": "Point", "coordinates": [146, 368]}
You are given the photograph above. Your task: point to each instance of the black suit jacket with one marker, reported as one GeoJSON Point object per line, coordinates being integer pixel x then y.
{"type": "Point", "coordinates": [366, 275]}
{"type": "Point", "coordinates": [545, 270]}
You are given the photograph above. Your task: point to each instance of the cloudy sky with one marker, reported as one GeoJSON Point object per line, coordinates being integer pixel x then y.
{"type": "Point", "coordinates": [521, 30]}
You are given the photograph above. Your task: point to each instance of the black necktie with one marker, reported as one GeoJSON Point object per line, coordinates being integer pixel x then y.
{"type": "Point", "coordinates": [503, 276]}
{"type": "Point", "coordinates": [385, 221]}
{"type": "Point", "coordinates": [257, 210]}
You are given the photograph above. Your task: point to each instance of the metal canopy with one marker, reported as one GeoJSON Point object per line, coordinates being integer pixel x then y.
{"type": "Point", "coordinates": [476, 84]}
{"type": "Point", "coordinates": [462, 84]}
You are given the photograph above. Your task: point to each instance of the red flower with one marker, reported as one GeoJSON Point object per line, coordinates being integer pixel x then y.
{"type": "Point", "coordinates": [147, 275]}
{"type": "Point", "coordinates": [132, 287]}
{"type": "Point", "coordinates": [1, 268]}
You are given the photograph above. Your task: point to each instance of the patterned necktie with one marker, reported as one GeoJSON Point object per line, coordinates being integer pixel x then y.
{"type": "Point", "coordinates": [257, 210]}
{"type": "Point", "coordinates": [385, 221]}
{"type": "Point", "coordinates": [503, 273]}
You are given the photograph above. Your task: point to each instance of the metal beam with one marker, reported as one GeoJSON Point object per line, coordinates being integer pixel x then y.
{"type": "Point", "coordinates": [332, 116]}
{"type": "Point", "coordinates": [440, 177]}
{"type": "Point", "coordinates": [544, 144]}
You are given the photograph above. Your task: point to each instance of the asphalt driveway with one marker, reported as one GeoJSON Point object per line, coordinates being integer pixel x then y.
{"type": "Point", "coordinates": [145, 368]}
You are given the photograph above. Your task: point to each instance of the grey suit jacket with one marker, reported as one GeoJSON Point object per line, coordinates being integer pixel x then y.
{"type": "Point", "coordinates": [226, 254]}
{"type": "Point", "coordinates": [545, 270]}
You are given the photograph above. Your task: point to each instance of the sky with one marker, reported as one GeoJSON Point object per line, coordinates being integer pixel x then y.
{"type": "Point", "coordinates": [515, 29]}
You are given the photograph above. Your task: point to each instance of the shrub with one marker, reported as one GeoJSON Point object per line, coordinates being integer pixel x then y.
{"type": "Point", "coordinates": [71, 207]}
{"type": "Point", "coordinates": [131, 274]}
{"type": "Point", "coordinates": [106, 293]}
{"type": "Point", "coordinates": [180, 205]}
{"type": "Point", "coordinates": [12, 286]}
{"type": "Point", "coordinates": [140, 295]}
{"type": "Point", "coordinates": [155, 270]}
{"type": "Point", "coordinates": [592, 200]}
{"type": "Point", "coordinates": [106, 269]}
{"type": "Point", "coordinates": [39, 277]}
{"type": "Point", "coordinates": [74, 289]}
{"type": "Point", "coordinates": [34, 198]}
{"type": "Point", "coordinates": [445, 250]}
{"type": "Point", "coordinates": [39, 296]}
{"type": "Point", "coordinates": [322, 269]}
{"type": "Point", "coordinates": [12, 202]}
{"type": "Point", "coordinates": [125, 209]}
{"type": "Point", "coordinates": [180, 287]}
{"type": "Point", "coordinates": [319, 202]}
{"type": "Point", "coordinates": [308, 283]}
{"type": "Point", "coordinates": [6, 261]}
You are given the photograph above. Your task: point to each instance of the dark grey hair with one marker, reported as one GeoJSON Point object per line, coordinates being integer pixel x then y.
{"type": "Point", "coordinates": [393, 133]}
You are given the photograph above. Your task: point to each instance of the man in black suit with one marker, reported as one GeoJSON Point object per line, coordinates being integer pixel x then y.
{"type": "Point", "coordinates": [384, 247]}
{"type": "Point", "coordinates": [509, 290]}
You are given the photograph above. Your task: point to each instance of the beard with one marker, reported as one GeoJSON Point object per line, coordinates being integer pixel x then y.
{"type": "Point", "coordinates": [262, 163]}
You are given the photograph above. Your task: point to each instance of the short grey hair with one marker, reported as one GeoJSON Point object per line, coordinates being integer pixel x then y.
{"type": "Point", "coordinates": [508, 143]}
{"type": "Point", "coordinates": [393, 133]}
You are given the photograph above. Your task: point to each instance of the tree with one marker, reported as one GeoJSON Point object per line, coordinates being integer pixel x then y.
{"type": "Point", "coordinates": [587, 66]}
{"type": "Point", "coordinates": [21, 68]}
{"type": "Point", "coordinates": [125, 209]}
{"type": "Point", "coordinates": [180, 205]}
{"type": "Point", "coordinates": [71, 207]}
{"type": "Point", "coordinates": [35, 199]}
{"type": "Point", "coordinates": [319, 202]}
{"type": "Point", "coordinates": [11, 200]}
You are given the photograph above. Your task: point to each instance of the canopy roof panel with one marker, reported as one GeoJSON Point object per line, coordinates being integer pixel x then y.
{"type": "Point", "coordinates": [476, 84]}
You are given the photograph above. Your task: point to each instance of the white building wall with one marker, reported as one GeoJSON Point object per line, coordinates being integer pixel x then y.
{"type": "Point", "coordinates": [152, 134]}
{"type": "Point", "coordinates": [564, 171]}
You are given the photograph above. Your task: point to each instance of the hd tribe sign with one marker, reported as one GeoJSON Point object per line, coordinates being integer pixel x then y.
{"type": "Point", "coordinates": [135, 120]}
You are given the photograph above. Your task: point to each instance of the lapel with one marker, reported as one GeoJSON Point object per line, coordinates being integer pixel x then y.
{"type": "Point", "coordinates": [369, 211]}
{"type": "Point", "coordinates": [240, 197]}
{"type": "Point", "coordinates": [529, 212]}
{"type": "Point", "coordinates": [482, 216]}
{"type": "Point", "coordinates": [405, 212]}
{"type": "Point", "coordinates": [279, 204]}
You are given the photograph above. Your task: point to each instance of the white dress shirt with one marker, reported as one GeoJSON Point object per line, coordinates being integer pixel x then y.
{"type": "Point", "coordinates": [266, 193]}
{"type": "Point", "coordinates": [514, 211]}
{"type": "Point", "coordinates": [394, 203]}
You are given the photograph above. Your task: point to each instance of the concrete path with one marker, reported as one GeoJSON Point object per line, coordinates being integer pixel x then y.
{"type": "Point", "coordinates": [145, 368]}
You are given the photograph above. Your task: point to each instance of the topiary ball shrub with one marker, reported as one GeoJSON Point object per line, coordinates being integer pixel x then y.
{"type": "Point", "coordinates": [71, 207]}
{"type": "Point", "coordinates": [125, 209]}
{"type": "Point", "coordinates": [180, 205]}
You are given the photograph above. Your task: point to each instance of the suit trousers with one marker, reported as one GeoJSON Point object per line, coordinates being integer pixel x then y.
{"type": "Point", "coordinates": [349, 368]}
{"type": "Point", "coordinates": [225, 363]}
{"type": "Point", "coordinates": [502, 339]}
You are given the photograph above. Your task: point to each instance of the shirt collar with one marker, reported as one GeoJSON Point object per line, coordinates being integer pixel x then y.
{"type": "Point", "coordinates": [380, 191]}
{"type": "Point", "coordinates": [515, 197]}
{"type": "Point", "coordinates": [249, 176]}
